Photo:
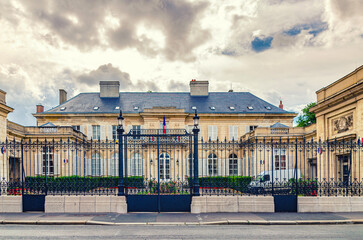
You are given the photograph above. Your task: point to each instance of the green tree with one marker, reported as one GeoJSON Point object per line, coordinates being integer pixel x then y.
{"type": "Point", "coordinates": [307, 118]}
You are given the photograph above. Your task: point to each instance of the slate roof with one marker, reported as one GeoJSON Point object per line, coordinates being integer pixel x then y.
{"type": "Point", "coordinates": [279, 125]}
{"type": "Point", "coordinates": [48, 124]}
{"type": "Point", "coordinates": [221, 101]}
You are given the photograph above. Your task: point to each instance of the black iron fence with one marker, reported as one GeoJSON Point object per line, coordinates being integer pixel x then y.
{"type": "Point", "coordinates": [268, 166]}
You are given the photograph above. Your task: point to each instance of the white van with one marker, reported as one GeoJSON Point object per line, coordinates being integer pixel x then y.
{"type": "Point", "coordinates": [263, 182]}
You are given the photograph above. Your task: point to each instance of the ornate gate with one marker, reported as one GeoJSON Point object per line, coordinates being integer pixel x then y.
{"type": "Point", "coordinates": [158, 170]}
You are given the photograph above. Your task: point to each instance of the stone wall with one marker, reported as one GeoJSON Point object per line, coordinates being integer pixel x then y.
{"type": "Point", "coordinates": [85, 204]}
{"type": "Point", "coordinates": [214, 204]}
{"type": "Point", "coordinates": [330, 204]}
{"type": "Point", "coordinates": [11, 204]}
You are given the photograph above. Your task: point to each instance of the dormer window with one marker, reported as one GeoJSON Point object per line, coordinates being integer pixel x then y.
{"type": "Point", "coordinates": [117, 108]}
{"type": "Point", "coordinates": [194, 108]}
{"type": "Point", "coordinates": [231, 108]}
{"type": "Point", "coordinates": [63, 108]}
{"type": "Point", "coordinates": [136, 108]}
{"type": "Point", "coordinates": [268, 107]}
{"type": "Point", "coordinates": [212, 108]}
{"type": "Point", "coordinates": [250, 108]}
{"type": "Point", "coordinates": [95, 108]}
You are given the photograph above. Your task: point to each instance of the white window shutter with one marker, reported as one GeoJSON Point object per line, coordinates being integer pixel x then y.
{"type": "Point", "coordinates": [102, 166]}
{"type": "Point", "coordinates": [56, 163]}
{"type": "Point", "coordinates": [109, 132]}
{"type": "Point", "coordinates": [103, 132]}
{"type": "Point", "coordinates": [239, 164]}
{"type": "Point", "coordinates": [236, 133]}
{"type": "Point", "coordinates": [89, 132]}
{"type": "Point", "coordinates": [230, 133]}
{"type": "Point", "coordinates": [88, 166]}
{"type": "Point", "coordinates": [38, 164]}
{"type": "Point", "coordinates": [81, 129]}
{"type": "Point", "coordinates": [219, 166]}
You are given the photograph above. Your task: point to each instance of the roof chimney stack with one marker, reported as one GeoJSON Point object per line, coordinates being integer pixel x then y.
{"type": "Point", "coordinates": [109, 89]}
{"type": "Point", "coordinates": [198, 88]}
{"type": "Point", "coordinates": [62, 96]}
{"type": "Point", "coordinates": [281, 105]}
{"type": "Point", "coordinates": [40, 108]}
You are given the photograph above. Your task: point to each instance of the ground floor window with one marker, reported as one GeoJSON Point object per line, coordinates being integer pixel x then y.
{"type": "Point", "coordinates": [212, 164]}
{"type": "Point", "coordinates": [48, 160]}
{"type": "Point", "coordinates": [164, 162]}
{"type": "Point", "coordinates": [96, 164]}
{"type": "Point", "coordinates": [233, 164]}
{"type": "Point", "coordinates": [280, 159]}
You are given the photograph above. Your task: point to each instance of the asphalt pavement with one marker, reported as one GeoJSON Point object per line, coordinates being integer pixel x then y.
{"type": "Point", "coordinates": [39, 218]}
{"type": "Point", "coordinates": [209, 232]}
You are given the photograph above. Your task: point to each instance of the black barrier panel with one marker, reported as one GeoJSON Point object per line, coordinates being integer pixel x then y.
{"type": "Point", "coordinates": [175, 203]}
{"type": "Point", "coordinates": [168, 203]}
{"type": "Point", "coordinates": [142, 203]}
{"type": "Point", "coordinates": [33, 203]}
{"type": "Point", "coordinates": [285, 203]}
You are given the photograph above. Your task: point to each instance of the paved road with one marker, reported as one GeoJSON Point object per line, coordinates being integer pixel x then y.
{"type": "Point", "coordinates": [181, 232]}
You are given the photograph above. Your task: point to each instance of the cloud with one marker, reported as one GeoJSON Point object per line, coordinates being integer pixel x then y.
{"type": "Point", "coordinates": [104, 72]}
{"type": "Point", "coordinates": [153, 27]}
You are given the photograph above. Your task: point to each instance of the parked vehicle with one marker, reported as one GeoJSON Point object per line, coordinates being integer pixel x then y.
{"type": "Point", "coordinates": [281, 180]}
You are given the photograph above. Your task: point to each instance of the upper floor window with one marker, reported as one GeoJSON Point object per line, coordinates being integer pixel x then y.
{"type": "Point", "coordinates": [114, 132]}
{"type": "Point", "coordinates": [77, 128]}
{"type": "Point", "coordinates": [212, 132]}
{"type": "Point", "coordinates": [136, 131]}
{"type": "Point", "coordinates": [233, 133]}
{"type": "Point", "coordinates": [96, 132]}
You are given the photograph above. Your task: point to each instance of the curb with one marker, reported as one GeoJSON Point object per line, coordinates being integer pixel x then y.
{"type": "Point", "coordinates": [224, 222]}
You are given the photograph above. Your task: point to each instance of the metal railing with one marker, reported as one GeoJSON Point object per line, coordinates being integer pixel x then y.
{"type": "Point", "coordinates": [268, 166]}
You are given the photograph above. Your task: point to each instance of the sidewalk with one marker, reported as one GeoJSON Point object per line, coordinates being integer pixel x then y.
{"type": "Point", "coordinates": [182, 218]}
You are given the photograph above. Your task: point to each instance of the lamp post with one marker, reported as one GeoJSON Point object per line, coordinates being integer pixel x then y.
{"type": "Point", "coordinates": [120, 130]}
{"type": "Point", "coordinates": [195, 132]}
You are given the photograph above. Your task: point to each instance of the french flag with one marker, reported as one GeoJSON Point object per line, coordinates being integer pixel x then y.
{"type": "Point", "coordinates": [164, 126]}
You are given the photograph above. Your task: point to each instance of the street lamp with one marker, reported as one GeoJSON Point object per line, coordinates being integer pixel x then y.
{"type": "Point", "coordinates": [196, 120]}
{"type": "Point", "coordinates": [120, 130]}
{"type": "Point", "coordinates": [195, 132]}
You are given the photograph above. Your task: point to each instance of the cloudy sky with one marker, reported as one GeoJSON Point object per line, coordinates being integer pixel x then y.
{"type": "Point", "coordinates": [274, 49]}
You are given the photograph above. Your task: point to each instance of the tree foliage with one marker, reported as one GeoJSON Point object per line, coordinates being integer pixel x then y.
{"type": "Point", "coordinates": [307, 118]}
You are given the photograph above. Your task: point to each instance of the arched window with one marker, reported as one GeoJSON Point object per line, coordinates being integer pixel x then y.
{"type": "Point", "coordinates": [212, 164]}
{"type": "Point", "coordinates": [164, 162]}
{"type": "Point", "coordinates": [114, 165]}
{"type": "Point", "coordinates": [233, 164]}
{"type": "Point", "coordinates": [136, 165]}
{"type": "Point", "coordinates": [96, 164]}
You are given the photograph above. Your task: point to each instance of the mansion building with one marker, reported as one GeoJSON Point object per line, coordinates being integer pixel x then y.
{"type": "Point", "coordinates": [240, 134]}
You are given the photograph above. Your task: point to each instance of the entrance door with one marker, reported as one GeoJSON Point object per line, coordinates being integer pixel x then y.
{"type": "Point", "coordinates": [164, 183]}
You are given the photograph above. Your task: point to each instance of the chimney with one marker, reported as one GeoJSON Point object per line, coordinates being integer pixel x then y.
{"type": "Point", "coordinates": [281, 105]}
{"type": "Point", "coordinates": [2, 97]}
{"type": "Point", "coordinates": [40, 108]}
{"type": "Point", "coordinates": [109, 89]}
{"type": "Point", "coordinates": [198, 88]}
{"type": "Point", "coordinates": [62, 96]}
